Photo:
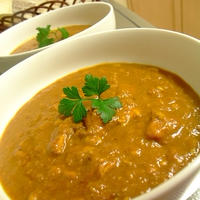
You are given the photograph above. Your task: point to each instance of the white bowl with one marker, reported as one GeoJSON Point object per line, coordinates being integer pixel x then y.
{"type": "Point", "coordinates": [172, 51]}
{"type": "Point", "coordinates": [98, 14]}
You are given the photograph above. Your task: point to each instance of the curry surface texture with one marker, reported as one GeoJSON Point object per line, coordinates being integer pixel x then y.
{"type": "Point", "coordinates": [153, 136]}
{"type": "Point", "coordinates": [32, 43]}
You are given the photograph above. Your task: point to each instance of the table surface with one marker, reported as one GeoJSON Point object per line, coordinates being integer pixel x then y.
{"type": "Point", "coordinates": [125, 18]}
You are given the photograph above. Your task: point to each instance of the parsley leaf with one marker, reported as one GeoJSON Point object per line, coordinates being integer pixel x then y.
{"type": "Point", "coordinates": [42, 36]}
{"type": "Point", "coordinates": [66, 106]}
{"type": "Point", "coordinates": [72, 92]}
{"type": "Point", "coordinates": [64, 33]}
{"type": "Point", "coordinates": [106, 108]}
{"type": "Point", "coordinates": [69, 107]}
{"type": "Point", "coordinates": [79, 112]}
{"type": "Point", "coordinates": [73, 104]}
{"type": "Point", "coordinates": [94, 85]}
{"type": "Point", "coordinates": [73, 107]}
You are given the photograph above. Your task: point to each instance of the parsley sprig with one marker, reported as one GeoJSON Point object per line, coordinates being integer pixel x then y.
{"type": "Point", "coordinates": [73, 105]}
{"type": "Point", "coordinates": [43, 35]}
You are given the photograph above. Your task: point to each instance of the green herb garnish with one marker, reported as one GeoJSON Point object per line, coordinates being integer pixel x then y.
{"type": "Point", "coordinates": [64, 33]}
{"type": "Point", "coordinates": [43, 35]}
{"type": "Point", "coordinates": [73, 104]}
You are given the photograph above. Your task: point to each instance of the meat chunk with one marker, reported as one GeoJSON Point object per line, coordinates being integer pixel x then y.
{"type": "Point", "coordinates": [33, 196]}
{"type": "Point", "coordinates": [156, 129]}
{"type": "Point", "coordinates": [59, 140]}
{"type": "Point", "coordinates": [128, 112]}
{"type": "Point", "coordinates": [58, 144]}
{"type": "Point", "coordinates": [93, 122]}
{"type": "Point", "coordinates": [159, 127]}
{"type": "Point", "coordinates": [105, 166]}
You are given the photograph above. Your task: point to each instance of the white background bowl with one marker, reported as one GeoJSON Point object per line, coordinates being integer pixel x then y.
{"type": "Point", "coordinates": [172, 51]}
{"type": "Point", "coordinates": [98, 14]}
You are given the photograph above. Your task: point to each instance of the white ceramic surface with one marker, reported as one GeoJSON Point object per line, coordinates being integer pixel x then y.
{"type": "Point", "coordinates": [172, 51]}
{"type": "Point", "coordinates": [99, 14]}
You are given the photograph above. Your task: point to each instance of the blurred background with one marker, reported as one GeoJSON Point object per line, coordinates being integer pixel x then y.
{"type": "Point", "coordinates": [178, 15]}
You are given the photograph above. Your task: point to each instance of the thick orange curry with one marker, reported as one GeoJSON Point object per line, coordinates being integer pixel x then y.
{"type": "Point", "coordinates": [44, 155]}
{"type": "Point", "coordinates": [32, 43]}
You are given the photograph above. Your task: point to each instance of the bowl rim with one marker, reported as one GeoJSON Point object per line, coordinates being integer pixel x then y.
{"type": "Point", "coordinates": [81, 5]}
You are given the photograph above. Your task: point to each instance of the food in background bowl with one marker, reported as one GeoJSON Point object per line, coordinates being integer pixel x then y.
{"type": "Point", "coordinates": [46, 36]}
{"type": "Point", "coordinates": [136, 127]}
{"type": "Point", "coordinates": [147, 46]}
{"type": "Point", "coordinates": [99, 15]}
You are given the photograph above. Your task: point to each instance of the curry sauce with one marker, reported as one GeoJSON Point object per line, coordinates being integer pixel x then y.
{"type": "Point", "coordinates": [32, 43]}
{"type": "Point", "coordinates": [156, 132]}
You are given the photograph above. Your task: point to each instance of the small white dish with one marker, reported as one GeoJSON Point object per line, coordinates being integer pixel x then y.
{"type": "Point", "coordinates": [99, 15]}
{"type": "Point", "coordinates": [169, 50]}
